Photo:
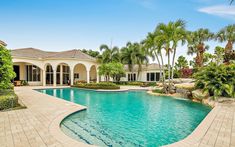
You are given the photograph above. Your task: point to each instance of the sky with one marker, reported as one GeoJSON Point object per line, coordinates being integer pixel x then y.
{"type": "Point", "coordinates": [58, 25]}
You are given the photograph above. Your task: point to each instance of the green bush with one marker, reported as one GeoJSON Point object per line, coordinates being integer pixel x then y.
{"type": "Point", "coordinates": [135, 83]}
{"type": "Point", "coordinates": [24, 83]}
{"type": "Point", "coordinates": [217, 80]}
{"type": "Point", "coordinates": [157, 91]}
{"type": "Point", "coordinates": [8, 99]}
{"type": "Point", "coordinates": [6, 69]}
{"type": "Point", "coordinates": [101, 85]}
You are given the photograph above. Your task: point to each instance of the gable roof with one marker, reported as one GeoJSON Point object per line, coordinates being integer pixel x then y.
{"type": "Point", "coordinates": [40, 54]}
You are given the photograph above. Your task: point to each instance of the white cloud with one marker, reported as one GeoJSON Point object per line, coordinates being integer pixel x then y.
{"type": "Point", "coordinates": [225, 11]}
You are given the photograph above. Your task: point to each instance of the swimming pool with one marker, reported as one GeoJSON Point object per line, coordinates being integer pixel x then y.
{"type": "Point", "coordinates": [132, 118]}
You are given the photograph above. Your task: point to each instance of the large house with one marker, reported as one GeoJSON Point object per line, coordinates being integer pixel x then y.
{"type": "Point", "coordinates": [39, 67]}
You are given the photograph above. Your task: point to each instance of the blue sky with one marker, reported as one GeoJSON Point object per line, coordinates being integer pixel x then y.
{"type": "Point", "coordinates": [57, 25]}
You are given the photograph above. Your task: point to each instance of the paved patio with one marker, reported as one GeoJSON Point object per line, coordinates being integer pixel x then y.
{"type": "Point", "coordinates": [38, 125]}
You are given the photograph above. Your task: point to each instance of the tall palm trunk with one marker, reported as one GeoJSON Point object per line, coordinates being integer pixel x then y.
{"type": "Point", "coordinates": [169, 72]}
{"type": "Point", "coordinates": [172, 66]}
{"type": "Point", "coordinates": [163, 69]}
{"type": "Point", "coordinates": [228, 47]}
{"type": "Point", "coordinates": [159, 65]}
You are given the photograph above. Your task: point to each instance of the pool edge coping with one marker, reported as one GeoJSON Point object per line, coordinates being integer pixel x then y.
{"type": "Point", "coordinates": [199, 132]}
{"type": "Point", "coordinates": [191, 139]}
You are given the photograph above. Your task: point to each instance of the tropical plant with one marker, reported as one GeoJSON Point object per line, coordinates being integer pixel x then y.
{"type": "Point", "coordinates": [110, 54]}
{"type": "Point", "coordinates": [170, 35]}
{"type": "Point", "coordinates": [208, 58]}
{"type": "Point", "coordinates": [112, 69]}
{"type": "Point", "coordinates": [91, 52]}
{"type": "Point", "coordinates": [133, 54]}
{"type": "Point", "coordinates": [6, 68]}
{"type": "Point", "coordinates": [217, 80]}
{"type": "Point", "coordinates": [219, 55]}
{"type": "Point", "coordinates": [196, 44]}
{"type": "Point", "coordinates": [180, 64]}
{"type": "Point", "coordinates": [105, 70]}
{"type": "Point", "coordinates": [117, 71]}
{"type": "Point", "coordinates": [153, 47]}
{"type": "Point", "coordinates": [227, 34]}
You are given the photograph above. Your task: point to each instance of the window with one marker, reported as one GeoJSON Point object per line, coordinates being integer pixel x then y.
{"type": "Point", "coordinates": [76, 75]}
{"type": "Point", "coordinates": [132, 77]}
{"type": "Point", "coordinates": [65, 74]}
{"type": "Point", "coordinates": [49, 75]}
{"type": "Point", "coordinates": [33, 73]}
{"type": "Point", "coordinates": [153, 76]}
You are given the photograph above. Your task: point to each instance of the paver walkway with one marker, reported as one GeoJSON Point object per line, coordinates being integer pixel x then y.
{"type": "Point", "coordinates": [38, 125]}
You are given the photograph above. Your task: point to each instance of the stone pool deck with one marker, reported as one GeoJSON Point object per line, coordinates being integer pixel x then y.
{"type": "Point", "coordinates": [38, 125]}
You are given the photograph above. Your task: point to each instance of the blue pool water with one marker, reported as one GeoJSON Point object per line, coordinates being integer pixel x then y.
{"type": "Point", "coordinates": [132, 118]}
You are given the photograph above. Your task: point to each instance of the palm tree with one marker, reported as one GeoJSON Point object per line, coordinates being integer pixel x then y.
{"type": "Point", "coordinates": [196, 44]}
{"type": "Point", "coordinates": [170, 35]}
{"type": "Point", "coordinates": [110, 54]}
{"type": "Point", "coordinates": [179, 35]}
{"type": "Point", "coordinates": [133, 54]}
{"type": "Point", "coordinates": [164, 36]}
{"type": "Point", "coordinates": [152, 48]}
{"type": "Point", "coordinates": [227, 34]}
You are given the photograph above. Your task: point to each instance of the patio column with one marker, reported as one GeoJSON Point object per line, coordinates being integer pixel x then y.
{"type": "Point", "coordinates": [61, 75]}
{"type": "Point", "coordinates": [88, 76]}
{"type": "Point", "coordinates": [71, 77]}
{"type": "Point", "coordinates": [43, 77]}
{"type": "Point", "coordinates": [54, 77]}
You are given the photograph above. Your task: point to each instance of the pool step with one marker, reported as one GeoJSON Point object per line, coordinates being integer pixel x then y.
{"type": "Point", "coordinates": [92, 134]}
{"type": "Point", "coordinates": [118, 138]}
{"type": "Point", "coordinates": [83, 134]}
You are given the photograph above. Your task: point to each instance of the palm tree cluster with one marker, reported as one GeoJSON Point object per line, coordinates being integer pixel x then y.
{"type": "Point", "coordinates": [165, 41]}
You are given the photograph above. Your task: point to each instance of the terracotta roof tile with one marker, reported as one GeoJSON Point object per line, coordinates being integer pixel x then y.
{"type": "Point", "coordinates": [40, 54]}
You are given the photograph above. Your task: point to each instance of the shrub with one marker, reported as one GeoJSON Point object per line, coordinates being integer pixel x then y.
{"type": "Point", "coordinates": [24, 83]}
{"type": "Point", "coordinates": [186, 72]}
{"type": "Point", "coordinates": [217, 80]}
{"type": "Point", "coordinates": [157, 91]}
{"type": "Point", "coordinates": [135, 83]}
{"type": "Point", "coordinates": [6, 68]}
{"type": "Point", "coordinates": [8, 99]}
{"type": "Point", "coordinates": [102, 85]}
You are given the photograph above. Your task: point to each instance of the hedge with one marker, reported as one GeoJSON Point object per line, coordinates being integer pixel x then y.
{"type": "Point", "coordinates": [8, 99]}
{"type": "Point", "coordinates": [136, 83]}
{"type": "Point", "coordinates": [102, 85]}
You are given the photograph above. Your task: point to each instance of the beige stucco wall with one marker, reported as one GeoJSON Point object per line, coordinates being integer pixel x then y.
{"type": "Point", "coordinates": [72, 63]}
{"type": "Point", "coordinates": [81, 70]}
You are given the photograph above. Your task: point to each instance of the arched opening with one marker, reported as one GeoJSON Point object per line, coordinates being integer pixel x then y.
{"type": "Point", "coordinates": [63, 74]}
{"type": "Point", "coordinates": [27, 72]}
{"type": "Point", "coordinates": [93, 74]}
{"type": "Point", "coordinates": [49, 75]}
{"type": "Point", "coordinates": [80, 73]}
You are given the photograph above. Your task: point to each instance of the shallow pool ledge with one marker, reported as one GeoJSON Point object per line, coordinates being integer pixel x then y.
{"type": "Point", "coordinates": [56, 131]}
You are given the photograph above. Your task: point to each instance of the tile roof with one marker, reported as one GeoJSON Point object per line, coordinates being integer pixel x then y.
{"type": "Point", "coordinates": [40, 54]}
{"type": "Point", "coordinates": [152, 66]}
